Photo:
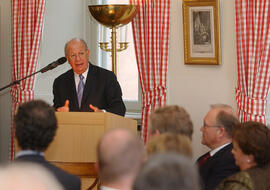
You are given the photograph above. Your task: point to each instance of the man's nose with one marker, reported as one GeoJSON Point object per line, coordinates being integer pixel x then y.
{"type": "Point", "coordinates": [78, 57]}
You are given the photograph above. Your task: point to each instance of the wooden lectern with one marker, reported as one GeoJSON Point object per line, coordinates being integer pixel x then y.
{"type": "Point", "coordinates": [74, 146]}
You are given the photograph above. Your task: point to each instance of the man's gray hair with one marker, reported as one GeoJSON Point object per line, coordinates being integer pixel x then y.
{"type": "Point", "coordinates": [167, 171]}
{"type": "Point", "coordinates": [76, 39]}
{"type": "Point", "coordinates": [226, 117]}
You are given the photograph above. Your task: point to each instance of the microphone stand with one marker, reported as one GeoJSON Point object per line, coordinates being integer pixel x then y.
{"type": "Point", "coordinates": [43, 70]}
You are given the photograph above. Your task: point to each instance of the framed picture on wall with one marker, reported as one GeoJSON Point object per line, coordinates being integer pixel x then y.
{"type": "Point", "coordinates": [201, 32]}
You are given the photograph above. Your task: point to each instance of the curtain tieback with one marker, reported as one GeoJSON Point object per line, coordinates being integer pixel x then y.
{"type": "Point", "coordinates": [18, 94]}
{"type": "Point", "coordinates": [152, 95]}
{"type": "Point", "coordinates": [250, 105]}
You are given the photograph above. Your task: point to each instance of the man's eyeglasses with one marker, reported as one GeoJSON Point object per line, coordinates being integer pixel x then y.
{"type": "Point", "coordinates": [80, 55]}
{"type": "Point", "coordinates": [208, 126]}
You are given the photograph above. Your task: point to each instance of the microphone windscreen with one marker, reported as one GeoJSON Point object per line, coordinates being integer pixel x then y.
{"type": "Point", "coordinates": [61, 60]}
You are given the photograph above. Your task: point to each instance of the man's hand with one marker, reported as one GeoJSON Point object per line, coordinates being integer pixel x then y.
{"type": "Point", "coordinates": [95, 109]}
{"type": "Point", "coordinates": [65, 108]}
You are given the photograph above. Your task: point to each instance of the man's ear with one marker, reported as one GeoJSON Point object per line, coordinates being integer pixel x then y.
{"type": "Point", "coordinates": [221, 131]}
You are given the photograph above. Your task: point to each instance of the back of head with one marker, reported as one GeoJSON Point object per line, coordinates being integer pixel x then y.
{"type": "Point", "coordinates": [167, 171]}
{"type": "Point", "coordinates": [35, 124]}
{"type": "Point", "coordinates": [253, 138]}
{"type": "Point", "coordinates": [226, 117]}
{"type": "Point", "coordinates": [172, 119]}
{"type": "Point", "coordinates": [27, 176]}
{"type": "Point", "coordinates": [120, 154]}
{"type": "Point", "coordinates": [169, 142]}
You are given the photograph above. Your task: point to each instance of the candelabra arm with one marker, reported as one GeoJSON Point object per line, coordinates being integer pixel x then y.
{"type": "Point", "coordinates": [104, 46]}
{"type": "Point", "coordinates": [123, 46]}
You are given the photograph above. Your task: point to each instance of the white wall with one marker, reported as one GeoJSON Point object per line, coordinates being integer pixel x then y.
{"type": "Point", "coordinates": [195, 87]}
{"type": "Point", "coordinates": [64, 19]}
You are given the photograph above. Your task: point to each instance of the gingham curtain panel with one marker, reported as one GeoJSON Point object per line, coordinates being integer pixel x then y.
{"type": "Point", "coordinates": [252, 30]}
{"type": "Point", "coordinates": [27, 21]}
{"type": "Point", "coordinates": [151, 40]}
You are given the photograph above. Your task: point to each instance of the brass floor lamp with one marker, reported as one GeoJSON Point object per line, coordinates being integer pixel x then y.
{"type": "Point", "coordinates": [113, 16]}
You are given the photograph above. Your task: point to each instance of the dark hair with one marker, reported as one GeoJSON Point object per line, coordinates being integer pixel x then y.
{"type": "Point", "coordinates": [167, 171]}
{"type": "Point", "coordinates": [35, 124]}
{"type": "Point", "coordinates": [172, 119]}
{"type": "Point", "coordinates": [253, 138]}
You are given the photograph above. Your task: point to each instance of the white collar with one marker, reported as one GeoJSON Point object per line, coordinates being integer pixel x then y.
{"type": "Point", "coordinates": [77, 78]}
{"type": "Point", "coordinates": [83, 74]}
{"type": "Point", "coordinates": [28, 152]}
{"type": "Point", "coordinates": [213, 152]}
{"type": "Point", "coordinates": [106, 188]}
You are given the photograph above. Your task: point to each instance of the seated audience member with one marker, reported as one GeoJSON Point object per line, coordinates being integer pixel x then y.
{"type": "Point", "coordinates": [172, 119]}
{"type": "Point", "coordinates": [217, 135]}
{"type": "Point", "coordinates": [167, 171]}
{"type": "Point", "coordinates": [251, 150]}
{"type": "Point", "coordinates": [26, 176]}
{"type": "Point", "coordinates": [35, 128]}
{"type": "Point", "coordinates": [120, 155]}
{"type": "Point", "coordinates": [169, 142]}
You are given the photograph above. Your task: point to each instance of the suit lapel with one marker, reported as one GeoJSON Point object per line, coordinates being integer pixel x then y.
{"type": "Point", "coordinates": [88, 84]}
{"type": "Point", "coordinates": [72, 93]}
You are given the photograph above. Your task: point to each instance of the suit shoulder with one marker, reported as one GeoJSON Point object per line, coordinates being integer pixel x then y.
{"type": "Point", "coordinates": [227, 150]}
{"type": "Point", "coordinates": [66, 179]}
{"type": "Point", "coordinates": [100, 70]}
{"type": "Point", "coordinates": [65, 75]}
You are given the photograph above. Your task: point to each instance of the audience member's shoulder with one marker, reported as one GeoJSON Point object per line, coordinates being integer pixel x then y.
{"type": "Point", "coordinates": [239, 181]}
{"type": "Point", "coordinates": [67, 179]}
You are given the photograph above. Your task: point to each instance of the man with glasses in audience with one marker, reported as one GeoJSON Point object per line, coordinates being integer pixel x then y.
{"type": "Point", "coordinates": [219, 162]}
{"type": "Point", "coordinates": [86, 87]}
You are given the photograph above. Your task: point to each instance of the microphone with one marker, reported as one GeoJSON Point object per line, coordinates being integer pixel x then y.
{"type": "Point", "coordinates": [54, 64]}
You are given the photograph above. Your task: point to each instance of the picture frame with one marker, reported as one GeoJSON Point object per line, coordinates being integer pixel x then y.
{"type": "Point", "coordinates": [201, 29]}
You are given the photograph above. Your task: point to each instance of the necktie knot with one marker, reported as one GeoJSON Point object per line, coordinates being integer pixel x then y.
{"type": "Point", "coordinates": [204, 159]}
{"type": "Point", "coordinates": [81, 77]}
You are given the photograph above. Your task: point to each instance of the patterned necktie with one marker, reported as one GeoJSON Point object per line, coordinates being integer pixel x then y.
{"type": "Point", "coordinates": [80, 90]}
{"type": "Point", "coordinates": [204, 159]}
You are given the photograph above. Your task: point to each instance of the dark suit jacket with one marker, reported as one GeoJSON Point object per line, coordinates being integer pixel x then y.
{"type": "Point", "coordinates": [217, 167]}
{"type": "Point", "coordinates": [101, 90]}
{"type": "Point", "coordinates": [69, 182]}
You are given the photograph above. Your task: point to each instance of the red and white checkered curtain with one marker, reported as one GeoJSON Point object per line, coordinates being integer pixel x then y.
{"type": "Point", "coordinates": [253, 45]}
{"type": "Point", "coordinates": [151, 39]}
{"type": "Point", "coordinates": [27, 22]}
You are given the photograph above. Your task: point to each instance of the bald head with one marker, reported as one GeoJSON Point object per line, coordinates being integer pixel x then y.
{"type": "Point", "coordinates": [120, 153]}
{"type": "Point", "coordinates": [72, 41]}
{"type": "Point", "coordinates": [27, 176]}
